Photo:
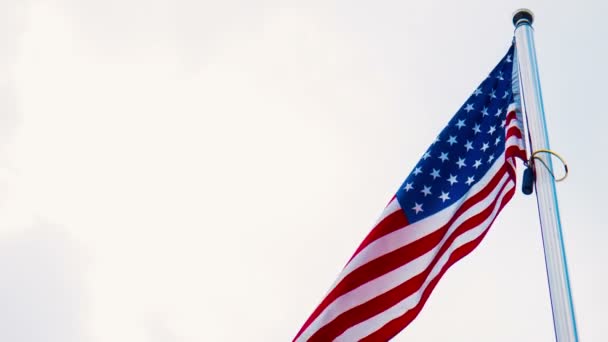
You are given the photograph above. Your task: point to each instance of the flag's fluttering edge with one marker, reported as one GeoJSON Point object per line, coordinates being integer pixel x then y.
{"type": "Point", "coordinates": [440, 214]}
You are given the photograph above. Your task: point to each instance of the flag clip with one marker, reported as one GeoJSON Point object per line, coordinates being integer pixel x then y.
{"type": "Point", "coordinates": [527, 184]}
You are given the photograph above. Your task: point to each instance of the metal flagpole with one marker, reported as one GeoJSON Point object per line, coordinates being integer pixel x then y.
{"type": "Point", "coordinates": [555, 256]}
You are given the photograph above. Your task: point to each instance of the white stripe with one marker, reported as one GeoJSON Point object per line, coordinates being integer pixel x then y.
{"type": "Point", "coordinates": [402, 274]}
{"type": "Point", "coordinates": [513, 107]}
{"type": "Point", "coordinates": [514, 141]}
{"type": "Point", "coordinates": [369, 326]}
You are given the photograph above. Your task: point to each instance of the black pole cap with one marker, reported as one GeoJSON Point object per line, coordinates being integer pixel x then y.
{"type": "Point", "coordinates": [523, 16]}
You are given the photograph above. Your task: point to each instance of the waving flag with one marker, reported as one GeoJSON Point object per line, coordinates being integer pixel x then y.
{"type": "Point", "coordinates": [440, 214]}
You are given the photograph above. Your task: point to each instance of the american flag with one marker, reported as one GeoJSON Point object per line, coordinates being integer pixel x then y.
{"type": "Point", "coordinates": [440, 214]}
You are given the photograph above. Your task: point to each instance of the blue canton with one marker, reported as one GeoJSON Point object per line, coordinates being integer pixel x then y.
{"type": "Point", "coordinates": [464, 151]}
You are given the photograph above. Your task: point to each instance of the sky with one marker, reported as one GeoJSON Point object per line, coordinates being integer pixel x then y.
{"type": "Point", "coordinates": [202, 170]}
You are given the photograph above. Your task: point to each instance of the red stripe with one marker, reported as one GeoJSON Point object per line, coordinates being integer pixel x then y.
{"type": "Point", "coordinates": [515, 151]}
{"type": "Point", "coordinates": [511, 116]}
{"type": "Point", "coordinates": [392, 328]}
{"type": "Point", "coordinates": [389, 224]}
{"type": "Point", "coordinates": [386, 300]}
{"type": "Point", "coordinates": [514, 132]}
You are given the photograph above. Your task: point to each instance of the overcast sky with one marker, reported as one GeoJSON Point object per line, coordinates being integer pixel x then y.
{"type": "Point", "coordinates": [202, 170]}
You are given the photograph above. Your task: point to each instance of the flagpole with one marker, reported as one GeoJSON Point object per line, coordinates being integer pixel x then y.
{"type": "Point", "coordinates": [555, 257]}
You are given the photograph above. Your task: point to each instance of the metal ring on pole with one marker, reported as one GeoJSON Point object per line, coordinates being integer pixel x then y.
{"type": "Point", "coordinates": [561, 159]}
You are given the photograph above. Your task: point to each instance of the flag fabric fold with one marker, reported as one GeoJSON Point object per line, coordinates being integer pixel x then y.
{"type": "Point", "coordinates": [441, 212]}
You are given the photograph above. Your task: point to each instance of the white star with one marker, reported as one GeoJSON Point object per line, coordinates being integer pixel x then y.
{"type": "Point", "coordinates": [426, 190]}
{"type": "Point", "coordinates": [469, 107]}
{"type": "Point", "coordinates": [470, 180]}
{"type": "Point", "coordinates": [435, 174]}
{"type": "Point", "coordinates": [484, 111]}
{"type": "Point", "coordinates": [503, 123]}
{"type": "Point", "coordinates": [417, 171]}
{"type": "Point", "coordinates": [452, 140]}
{"type": "Point", "coordinates": [477, 163]}
{"type": "Point", "coordinates": [461, 163]}
{"type": "Point", "coordinates": [460, 124]}
{"type": "Point", "coordinates": [485, 147]}
{"type": "Point", "coordinates": [452, 179]}
{"type": "Point", "coordinates": [498, 112]}
{"type": "Point", "coordinates": [490, 159]}
{"type": "Point", "coordinates": [477, 129]}
{"type": "Point", "coordinates": [499, 76]}
{"type": "Point", "coordinates": [426, 155]}
{"type": "Point", "coordinates": [444, 196]}
{"type": "Point", "coordinates": [477, 92]}
{"type": "Point", "coordinates": [506, 94]}
{"type": "Point", "coordinates": [417, 208]}
{"type": "Point", "coordinates": [493, 94]}
{"type": "Point", "coordinates": [468, 145]}
{"type": "Point", "coordinates": [492, 130]}
{"type": "Point", "coordinates": [444, 156]}
{"type": "Point", "coordinates": [508, 60]}
{"type": "Point", "coordinates": [497, 141]}
{"type": "Point", "coordinates": [436, 140]}
{"type": "Point", "coordinates": [408, 187]}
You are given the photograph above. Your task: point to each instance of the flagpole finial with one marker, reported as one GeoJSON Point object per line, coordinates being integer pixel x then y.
{"type": "Point", "coordinates": [523, 16]}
